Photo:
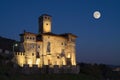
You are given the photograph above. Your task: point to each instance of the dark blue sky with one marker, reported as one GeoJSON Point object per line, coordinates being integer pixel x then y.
{"type": "Point", "coordinates": [98, 40]}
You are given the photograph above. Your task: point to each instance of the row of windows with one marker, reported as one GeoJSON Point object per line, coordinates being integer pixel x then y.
{"type": "Point", "coordinates": [31, 38]}
{"type": "Point", "coordinates": [37, 55]}
{"type": "Point", "coordinates": [64, 44]}
{"type": "Point", "coordinates": [24, 54]}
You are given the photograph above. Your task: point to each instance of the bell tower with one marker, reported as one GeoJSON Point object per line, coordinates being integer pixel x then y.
{"type": "Point", "coordinates": [44, 23]}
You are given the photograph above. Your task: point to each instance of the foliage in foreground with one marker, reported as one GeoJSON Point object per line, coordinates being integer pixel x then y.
{"type": "Point", "coordinates": [87, 72]}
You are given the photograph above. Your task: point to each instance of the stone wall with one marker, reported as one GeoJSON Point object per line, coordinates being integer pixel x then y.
{"type": "Point", "coordinates": [48, 70]}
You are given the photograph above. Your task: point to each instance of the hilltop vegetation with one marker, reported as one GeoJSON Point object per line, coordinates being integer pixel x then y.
{"type": "Point", "coordinates": [99, 71]}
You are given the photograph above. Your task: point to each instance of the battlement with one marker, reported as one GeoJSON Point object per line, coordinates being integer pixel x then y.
{"type": "Point", "coordinates": [20, 58]}
{"type": "Point", "coordinates": [19, 53]}
{"type": "Point", "coordinates": [47, 69]}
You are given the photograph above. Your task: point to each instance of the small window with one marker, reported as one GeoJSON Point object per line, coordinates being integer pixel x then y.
{"type": "Point", "coordinates": [45, 17]}
{"type": "Point", "coordinates": [37, 55]}
{"type": "Point", "coordinates": [38, 46]}
{"type": "Point", "coordinates": [27, 37]}
{"type": "Point", "coordinates": [58, 57]}
{"type": "Point", "coordinates": [32, 54]}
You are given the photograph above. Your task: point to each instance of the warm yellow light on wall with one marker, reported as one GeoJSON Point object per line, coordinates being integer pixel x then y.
{"type": "Point", "coordinates": [37, 61]}
{"type": "Point", "coordinates": [68, 55]}
{"type": "Point", "coordinates": [30, 62]}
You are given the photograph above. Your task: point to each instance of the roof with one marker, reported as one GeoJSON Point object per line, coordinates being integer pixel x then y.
{"type": "Point", "coordinates": [66, 34]}
{"type": "Point", "coordinates": [39, 36]}
{"type": "Point", "coordinates": [62, 35]}
{"type": "Point", "coordinates": [26, 33]}
{"type": "Point", "coordinates": [45, 15]}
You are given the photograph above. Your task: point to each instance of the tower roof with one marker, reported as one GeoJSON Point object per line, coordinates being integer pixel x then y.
{"type": "Point", "coordinates": [45, 15]}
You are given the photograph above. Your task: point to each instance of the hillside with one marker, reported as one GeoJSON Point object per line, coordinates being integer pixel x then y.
{"type": "Point", "coordinates": [6, 43]}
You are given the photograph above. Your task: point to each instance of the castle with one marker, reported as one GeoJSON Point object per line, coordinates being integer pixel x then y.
{"type": "Point", "coordinates": [46, 48]}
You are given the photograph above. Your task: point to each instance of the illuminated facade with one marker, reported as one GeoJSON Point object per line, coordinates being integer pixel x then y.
{"type": "Point", "coordinates": [46, 48]}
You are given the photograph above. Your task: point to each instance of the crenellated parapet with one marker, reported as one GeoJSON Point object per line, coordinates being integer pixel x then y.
{"type": "Point", "coordinates": [19, 53]}
{"type": "Point", "coordinates": [20, 58]}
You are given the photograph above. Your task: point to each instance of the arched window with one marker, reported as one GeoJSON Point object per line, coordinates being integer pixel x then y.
{"type": "Point", "coordinates": [32, 54]}
{"type": "Point", "coordinates": [37, 55]}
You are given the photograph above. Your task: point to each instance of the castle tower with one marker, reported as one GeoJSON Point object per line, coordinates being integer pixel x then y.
{"type": "Point", "coordinates": [44, 23]}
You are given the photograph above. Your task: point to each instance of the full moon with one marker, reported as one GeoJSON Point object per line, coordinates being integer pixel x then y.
{"type": "Point", "coordinates": [96, 14]}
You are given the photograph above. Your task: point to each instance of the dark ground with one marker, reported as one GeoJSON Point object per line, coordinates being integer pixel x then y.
{"type": "Point", "coordinates": [87, 72]}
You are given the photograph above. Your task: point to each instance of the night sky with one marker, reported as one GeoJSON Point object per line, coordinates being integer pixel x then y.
{"type": "Point", "coordinates": [98, 39]}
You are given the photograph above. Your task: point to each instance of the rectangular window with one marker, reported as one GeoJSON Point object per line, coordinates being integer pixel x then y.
{"type": "Point", "coordinates": [62, 43]}
{"type": "Point", "coordinates": [48, 47]}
